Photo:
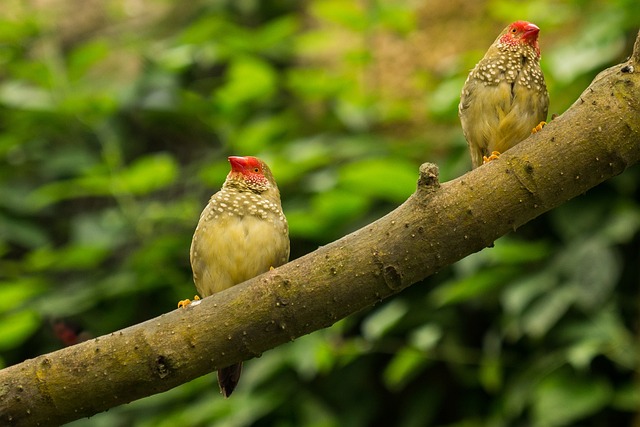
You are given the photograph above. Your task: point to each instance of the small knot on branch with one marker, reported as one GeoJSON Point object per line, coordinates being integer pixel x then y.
{"type": "Point", "coordinates": [627, 69]}
{"type": "Point", "coordinates": [428, 180]}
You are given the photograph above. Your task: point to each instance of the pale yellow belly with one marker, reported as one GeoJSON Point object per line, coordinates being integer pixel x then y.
{"type": "Point", "coordinates": [230, 250]}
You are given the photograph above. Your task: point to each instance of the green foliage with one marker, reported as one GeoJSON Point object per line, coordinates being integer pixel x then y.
{"type": "Point", "coordinates": [115, 124]}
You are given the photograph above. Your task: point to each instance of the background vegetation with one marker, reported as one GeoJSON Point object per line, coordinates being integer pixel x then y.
{"type": "Point", "coordinates": [116, 118]}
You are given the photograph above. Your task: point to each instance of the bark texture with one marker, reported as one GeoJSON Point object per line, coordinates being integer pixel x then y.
{"type": "Point", "coordinates": [596, 139]}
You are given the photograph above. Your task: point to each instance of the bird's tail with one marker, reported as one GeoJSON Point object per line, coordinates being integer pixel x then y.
{"type": "Point", "coordinates": [228, 378]}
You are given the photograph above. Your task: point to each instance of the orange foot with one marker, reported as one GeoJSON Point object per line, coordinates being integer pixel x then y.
{"type": "Point", "coordinates": [186, 302]}
{"type": "Point", "coordinates": [494, 155]}
{"type": "Point", "coordinates": [539, 127]}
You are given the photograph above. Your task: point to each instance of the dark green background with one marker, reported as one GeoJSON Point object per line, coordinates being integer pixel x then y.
{"type": "Point", "coordinates": [116, 118]}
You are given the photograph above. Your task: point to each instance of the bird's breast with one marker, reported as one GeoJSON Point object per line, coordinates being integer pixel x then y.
{"type": "Point", "coordinates": [236, 240]}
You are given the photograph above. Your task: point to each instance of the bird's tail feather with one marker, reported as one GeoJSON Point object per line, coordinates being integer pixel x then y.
{"type": "Point", "coordinates": [228, 378]}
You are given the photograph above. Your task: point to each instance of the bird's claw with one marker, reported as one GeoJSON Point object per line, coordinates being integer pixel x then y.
{"type": "Point", "coordinates": [494, 155]}
{"type": "Point", "coordinates": [185, 302]}
{"type": "Point", "coordinates": [538, 127]}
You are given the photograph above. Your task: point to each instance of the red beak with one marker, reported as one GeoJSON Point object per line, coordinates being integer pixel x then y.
{"type": "Point", "coordinates": [531, 32]}
{"type": "Point", "coordinates": [238, 164]}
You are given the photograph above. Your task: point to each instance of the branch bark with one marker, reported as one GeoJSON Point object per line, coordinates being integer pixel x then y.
{"type": "Point", "coordinates": [596, 139]}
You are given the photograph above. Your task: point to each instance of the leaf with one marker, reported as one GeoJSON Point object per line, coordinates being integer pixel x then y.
{"type": "Point", "coordinates": [339, 207]}
{"type": "Point", "coordinates": [562, 398]}
{"type": "Point", "coordinates": [546, 311]}
{"type": "Point", "coordinates": [579, 217]}
{"type": "Point", "coordinates": [387, 179]}
{"type": "Point", "coordinates": [22, 232]}
{"type": "Point", "coordinates": [85, 56]}
{"type": "Point", "coordinates": [311, 355]}
{"type": "Point", "coordinates": [597, 45]}
{"type": "Point", "coordinates": [304, 224]}
{"type": "Point", "coordinates": [514, 251]}
{"type": "Point", "coordinates": [259, 133]}
{"type": "Point", "coordinates": [491, 373]}
{"type": "Point", "coordinates": [347, 14]}
{"type": "Point", "coordinates": [397, 16]}
{"type": "Point", "coordinates": [478, 284]}
{"type": "Point", "coordinates": [627, 397]}
{"type": "Point", "coordinates": [277, 33]}
{"type": "Point", "coordinates": [147, 174]}
{"type": "Point", "coordinates": [69, 258]}
{"type": "Point", "coordinates": [426, 336]}
{"type": "Point", "coordinates": [383, 319]}
{"type": "Point", "coordinates": [25, 96]}
{"type": "Point", "coordinates": [143, 176]}
{"type": "Point", "coordinates": [314, 84]}
{"type": "Point", "coordinates": [518, 296]}
{"type": "Point", "coordinates": [604, 334]}
{"type": "Point", "coordinates": [13, 293]}
{"type": "Point", "coordinates": [623, 224]}
{"type": "Point", "coordinates": [405, 365]}
{"type": "Point", "coordinates": [249, 79]}
{"type": "Point", "coordinates": [592, 269]}
{"type": "Point", "coordinates": [15, 328]}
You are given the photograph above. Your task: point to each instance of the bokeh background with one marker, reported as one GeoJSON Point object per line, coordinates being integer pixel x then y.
{"type": "Point", "coordinates": [116, 118]}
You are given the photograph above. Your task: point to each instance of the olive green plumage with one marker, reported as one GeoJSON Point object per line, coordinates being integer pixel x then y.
{"type": "Point", "coordinates": [505, 95]}
{"type": "Point", "coordinates": [241, 234]}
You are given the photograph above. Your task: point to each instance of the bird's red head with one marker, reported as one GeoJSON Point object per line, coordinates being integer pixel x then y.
{"type": "Point", "coordinates": [254, 172]}
{"type": "Point", "coordinates": [522, 32]}
{"type": "Point", "coordinates": [246, 165]}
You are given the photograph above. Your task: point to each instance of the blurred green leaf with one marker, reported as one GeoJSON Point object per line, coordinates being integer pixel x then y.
{"type": "Point", "coordinates": [147, 174]}
{"type": "Point", "coordinates": [346, 14]}
{"type": "Point", "coordinates": [311, 355]}
{"type": "Point", "coordinates": [623, 224]}
{"type": "Point", "coordinates": [605, 334]}
{"type": "Point", "coordinates": [22, 232]}
{"type": "Point", "coordinates": [512, 251]}
{"type": "Point", "coordinates": [405, 365]}
{"type": "Point", "coordinates": [479, 284]}
{"type": "Point", "coordinates": [519, 295]}
{"type": "Point", "coordinates": [383, 319]}
{"type": "Point", "coordinates": [249, 79]}
{"type": "Point", "coordinates": [21, 95]}
{"type": "Point", "coordinates": [339, 207]}
{"type": "Point", "coordinates": [86, 56]}
{"type": "Point", "coordinates": [627, 397]}
{"type": "Point", "coordinates": [259, 133]}
{"type": "Point", "coordinates": [397, 16]}
{"type": "Point", "coordinates": [426, 336]}
{"type": "Point", "coordinates": [17, 292]}
{"type": "Point", "coordinates": [16, 30]}
{"type": "Point", "coordinates": [595, 46]}
{"type": "Point", "coordinates": [445, 98]}
{"type": "Point", "coordinates": [16, 327]}
{"type": "Point", "coordinates": [313, 83]}
{"type": "Point", "coordinates": [563, 398]}
{"type": "Point", "coordinates": [143, 176]}
{"type": "Point", "coordinates": [73, 257]}
{"type": "Point", "coordinates": [543, 314]}
{"type": "Point", "coordinates": [592, 269]}
{"type": "Point", "coordinates": [390, 179]}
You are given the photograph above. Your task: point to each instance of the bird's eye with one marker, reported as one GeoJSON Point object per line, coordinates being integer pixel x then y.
{"type": "Point", "coordinates": [256, 170]}
{"type": "Point", "coordinates": [513, 30]}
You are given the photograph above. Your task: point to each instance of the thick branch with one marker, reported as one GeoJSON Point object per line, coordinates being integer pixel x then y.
{"type": "Point", "coordinates": [597, 138]}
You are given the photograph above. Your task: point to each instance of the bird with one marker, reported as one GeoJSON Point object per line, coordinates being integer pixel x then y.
{"type": "Point", "coordinates": [504, 98]}
{"type": "Point", "coordinates": [241, 233]}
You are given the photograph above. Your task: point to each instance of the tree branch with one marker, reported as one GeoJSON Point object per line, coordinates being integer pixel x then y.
{"type": "Point", "coordinates": [596, 139]}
